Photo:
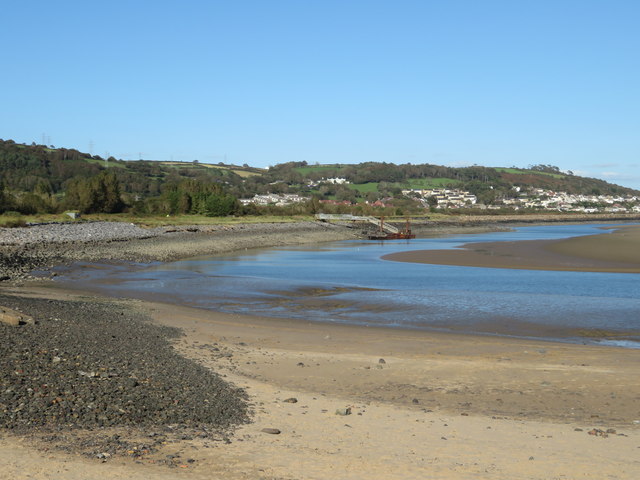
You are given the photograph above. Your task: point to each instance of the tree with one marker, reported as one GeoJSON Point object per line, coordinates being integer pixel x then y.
{"type": "Point", "coordinates": [220, 205]}
{"type": "Point", "coordinates": [99, 194]}
{"type": "Point", "coordinates": [5, 199]}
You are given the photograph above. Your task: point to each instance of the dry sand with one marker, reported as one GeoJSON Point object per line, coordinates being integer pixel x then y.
{"type": "Point", "coordinates": [437, 406]}
{"type": "Point", "coordinates": [618, 251]}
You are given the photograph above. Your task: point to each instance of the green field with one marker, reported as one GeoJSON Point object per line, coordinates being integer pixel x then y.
{"type": "Point", "coordinates": [250, 172]}
{"type": "Point", "coordinates": [414, 183]}
{"type": "Point", "coordinates": [519, 171]}
{"type": "Point", "coordinates": [105, 164]}
{"type": "Point", "coordinates": [422, 183]}
{"type": "Point", "coordinates": [317, 168]}
{"type": "Point", "coordinates": [364, 187]}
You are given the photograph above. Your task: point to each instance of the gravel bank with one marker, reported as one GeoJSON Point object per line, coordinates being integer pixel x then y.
{"type": "Point", "coordinates": [101, 364]}
{"type": "Point", "coordinates": [43, 246]}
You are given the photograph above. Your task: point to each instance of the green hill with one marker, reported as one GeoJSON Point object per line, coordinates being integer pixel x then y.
{"type": "Point", "coordinates": [485, 182]}
{"type": "Point", "coordinates": [38, 178]}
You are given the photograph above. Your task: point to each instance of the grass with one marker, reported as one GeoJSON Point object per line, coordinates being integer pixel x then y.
{"type": "Point", "coordinates": [414, 183]}
{"type": "Point", "coordinates": [364, 187]}
{"type": "Point", "coordinates": [317, 168]}
{"type": "Point", "coordinates": [244, 173]}
{"type": "Point", "coordinates": [7, 221]}
{"type": "Point", "coordinates": [423, 183]}
{"type": "Point", "coordinates": [520, 171]}
{"type": "Point", "coordinates": [9, 218]}
{"type": "Point", "coordinates": [105, 164]}
{"type": "Point", "coordinates": [160, 220]}
{"type": "Point", "coordinates": [13, 220]}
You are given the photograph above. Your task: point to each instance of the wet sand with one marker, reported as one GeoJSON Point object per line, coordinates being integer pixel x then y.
{"type": "Point", "coordinates": [618, 251]}
{"type": "Point", "coordinates": [421, 405]}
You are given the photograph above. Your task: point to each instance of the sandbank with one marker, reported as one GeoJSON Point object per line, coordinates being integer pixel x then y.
{"type": "Point", "coordinates": [617, 251]}
{"type": "Point", "coordinates": [422, 405]}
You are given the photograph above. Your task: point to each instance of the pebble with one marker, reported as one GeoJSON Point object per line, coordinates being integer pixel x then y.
{"type": "Point", "coordinates": [97, 364]}
{"type": "Point", "coordinates": [597, 432]}
{"type": "Point", "coordinates": [271, 431]}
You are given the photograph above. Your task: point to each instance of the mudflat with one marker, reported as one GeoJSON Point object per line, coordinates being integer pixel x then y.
{"type": "Point", "coordinates": [617, 251]}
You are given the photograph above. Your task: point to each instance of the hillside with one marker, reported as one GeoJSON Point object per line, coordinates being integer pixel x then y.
{"type": "Point", "coordinates": [488, 184]}
{"type": "Point", "coordinates": [24, 167]}
{"type": "Point", "coordinates": [38, 178]}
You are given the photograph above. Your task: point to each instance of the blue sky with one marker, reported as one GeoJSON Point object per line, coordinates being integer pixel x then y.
{"type": "Point", "coordinates": [450, 82]}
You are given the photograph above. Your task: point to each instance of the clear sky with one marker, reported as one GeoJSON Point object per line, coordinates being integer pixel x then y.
{"type": "Point", "coordinates": [450, 82]}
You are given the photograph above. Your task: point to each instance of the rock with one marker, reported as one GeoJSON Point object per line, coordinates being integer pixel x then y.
{"type": "Point", "coordinates": [271, 431]}
{"type": "Point", "coordinates": [382, 361]}
{"type": "Point", "coordinates": [343, 411]}
{"type": "Point", "coordinates": [415, 401]}
{"type": "Point", "coordinates": [290, 400]}
{"type": "Point", "coordinates": [14, 318]}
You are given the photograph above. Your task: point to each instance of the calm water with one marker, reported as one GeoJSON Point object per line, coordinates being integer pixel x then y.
{"type": "Point", "coordinates": [347, 282]}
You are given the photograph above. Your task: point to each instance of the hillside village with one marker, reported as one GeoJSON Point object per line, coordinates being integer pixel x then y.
{"type": "Point", "coordinates": [535, 198]}
{"type": "Point", "coordinates": [443, 198]}
{"type": "Point", "coordinates": [562, 201]}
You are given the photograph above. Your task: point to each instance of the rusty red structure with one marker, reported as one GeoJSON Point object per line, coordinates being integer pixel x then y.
{"type": "Point", "coordinates": [392, 235]}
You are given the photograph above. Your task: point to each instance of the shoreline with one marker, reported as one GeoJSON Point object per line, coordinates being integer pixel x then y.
{"type": "Point", "coordinates": [357, 402]}
{"type": "Point", "coordinates": [44, 246]}
{"type": "Point", "coordinates": [41, 247]}
{"type": "Point", "coordinates": [465, 405]}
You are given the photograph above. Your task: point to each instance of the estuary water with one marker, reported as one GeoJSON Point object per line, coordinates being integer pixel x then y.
{"type": "Point", "coordinates": [347, 282]}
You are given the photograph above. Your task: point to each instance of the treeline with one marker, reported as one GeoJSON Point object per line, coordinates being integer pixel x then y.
{"type": "Point", "coordinates": [38, 179]}
{"type": "Point", "coordinates": [191, 197]}
{"type": "Point", "coordinates": [101, 194]}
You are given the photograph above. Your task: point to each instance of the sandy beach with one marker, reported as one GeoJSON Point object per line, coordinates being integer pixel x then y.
{"type": "Point", "coordinates": [421, 405]}
{"type": "Point", "coordinates": [355, 402]}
